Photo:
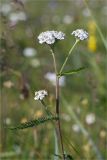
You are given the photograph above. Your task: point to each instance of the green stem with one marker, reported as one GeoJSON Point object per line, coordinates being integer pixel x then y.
{"type": "Point", "coordinates": [46, 108]}
{"type": "Point", "coordinates": [54, 60]}
{"type": "Point", "coordinates": [77, 40]}
{"type": "Point", "coordinates": [57, 103]}
{"type": "Point", "coordinates": [58, 113]}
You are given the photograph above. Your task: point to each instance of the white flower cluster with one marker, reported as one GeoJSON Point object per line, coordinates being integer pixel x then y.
{"type": "Point", "coordinates": [39, 95]}
{"type": "Point", "coordinates": [80, 34]}
{"type": "Point", "coordinates": [50, 37]}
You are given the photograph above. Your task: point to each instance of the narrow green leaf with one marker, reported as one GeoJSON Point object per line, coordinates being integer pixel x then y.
{"type": "Point", "coordinates": [72, 71]}
{"type": "Point", "coordinates": [34, 122]}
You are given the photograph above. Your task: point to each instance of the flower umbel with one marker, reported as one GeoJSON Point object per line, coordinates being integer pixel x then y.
{"type": "Point", "coordinates": [50, 37]}
{"type": "Point", "coordinates": [80, 34]}
{"type": "Point", "coordinates": [39, 95]}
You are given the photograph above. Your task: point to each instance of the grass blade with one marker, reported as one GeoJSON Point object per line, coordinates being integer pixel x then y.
{"type": "Point", "coordinates": [72, 71]}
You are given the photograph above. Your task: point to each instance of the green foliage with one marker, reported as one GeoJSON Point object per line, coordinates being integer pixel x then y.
{"type": "Point", "coordinates": [21, 75]}
{"type": "Point", "coordinates": [33, 123]}
{"type": "Point", "coordinates": [9, 154]}
{"type": "Point", "coordinates": [72, 71]}
{"type": "Point", "coordinates": [67, 156]}
{"type": "Point", "coordinates": [56, 147]}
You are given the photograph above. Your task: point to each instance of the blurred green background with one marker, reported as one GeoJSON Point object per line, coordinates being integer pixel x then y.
{"type": "Point", "coordinates": [26, 67]}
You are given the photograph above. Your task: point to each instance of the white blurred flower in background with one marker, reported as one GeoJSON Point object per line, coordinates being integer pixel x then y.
{"type": "Point", "coordinates": [86, 12]}
{"type": "Point", "coordinates": [34, 62]}
{"type": "Point", "coordinates": [7, 121]}
{"type": "Point", "coordinates": [68, 19]}
{"type": "Point", "coordinates": [104, 10]}
{"type": "Point", "coordinates": [15, 17]}
{"type": "Point", "coordinates": [66, 117]}
{"type": "Point", "coordinates": [8, 84]}
{"type": "Point", "coordinates": [76, 128]}
{"type": "Point", "coordinates": [90, 118]}
{"type": "Point", "coordinates": [29, 52]}
{"type": "Point", "coordinates": [52, 78]}
{"type": "Point", "coordinates": [5, 8]}
{"type": "Point", "coordinates": [103, 133]}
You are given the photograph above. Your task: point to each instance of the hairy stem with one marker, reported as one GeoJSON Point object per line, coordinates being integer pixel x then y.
{"type": "Point", "coordinates": [54, 60]}
{"type": "Point", "coordinates": [57, 104]}
{"type": "Point", "coordinates": [58, 113]}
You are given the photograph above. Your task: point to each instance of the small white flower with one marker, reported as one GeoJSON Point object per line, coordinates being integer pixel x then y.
{"type": "Point", "coordinates": [80, 34]}
{"type": "Point", "coordinates": [90, 118]}
{"type": "Point", "coordinates": [39, 95]}
{"type": "Point", "coordinates": [52, 78]}
{"type": "Point", "coordinates": [50, 37]}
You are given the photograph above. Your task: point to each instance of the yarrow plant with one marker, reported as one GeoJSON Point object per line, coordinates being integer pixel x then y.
{"type": "Point", "coordinates": [50, 38]}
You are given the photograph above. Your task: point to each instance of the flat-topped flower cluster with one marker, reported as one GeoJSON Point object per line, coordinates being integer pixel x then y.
{"type": "Point", "coordinates": [50, 37]}
{"type": "Point", "coordinates": [80, 34]}
{"type": "Point", "coordinates": [39, 95]}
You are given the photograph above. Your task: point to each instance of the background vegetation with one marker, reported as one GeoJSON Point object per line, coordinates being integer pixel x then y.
{"type": "Point", "coordinates": [23, 71]}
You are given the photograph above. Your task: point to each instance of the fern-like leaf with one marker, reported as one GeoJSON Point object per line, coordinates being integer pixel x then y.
{"type": "Point", "coordinates": [34, 122]}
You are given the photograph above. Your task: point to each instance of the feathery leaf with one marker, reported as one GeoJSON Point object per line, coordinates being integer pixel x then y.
{"type": "Point", "coordinates": [34, 122]}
